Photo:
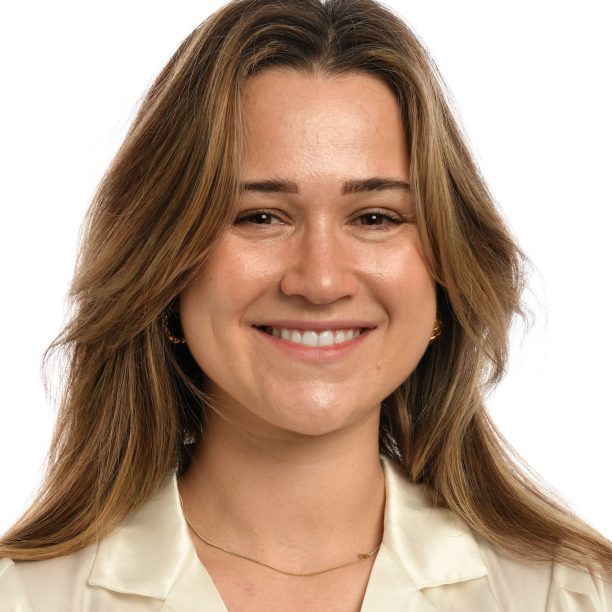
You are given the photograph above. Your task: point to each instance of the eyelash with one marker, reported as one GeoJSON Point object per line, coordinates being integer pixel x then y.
{"type": "Point", "coordinates": [392, 218]}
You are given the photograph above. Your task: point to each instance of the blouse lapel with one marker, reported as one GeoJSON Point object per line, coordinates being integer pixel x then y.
{"type": "Point", "coordinates": [146, 553]}
{"type": "Point", "coordinates": [424, 548]}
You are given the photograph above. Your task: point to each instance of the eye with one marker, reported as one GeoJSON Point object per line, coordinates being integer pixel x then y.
{"type": "Point", "coordinates": [256, 217]}
{"type": "Point", "coordinates": [379, 218]}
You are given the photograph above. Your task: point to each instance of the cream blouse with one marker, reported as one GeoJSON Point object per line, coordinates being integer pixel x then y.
{"type": "Point", "coordinates": [428, 561]}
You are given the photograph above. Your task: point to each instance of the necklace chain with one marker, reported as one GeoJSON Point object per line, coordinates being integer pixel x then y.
{"type": "Point", "coordinates": [360, 556]}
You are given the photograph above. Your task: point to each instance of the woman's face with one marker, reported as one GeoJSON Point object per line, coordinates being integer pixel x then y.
{"type": "Point", "coordinates": [314, 252]}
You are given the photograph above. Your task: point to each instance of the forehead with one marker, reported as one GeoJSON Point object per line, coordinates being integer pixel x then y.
{"type": "Point", "coordinates": [306, 124]}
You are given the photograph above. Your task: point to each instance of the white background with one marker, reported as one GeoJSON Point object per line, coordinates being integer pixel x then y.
{"type": "Point", "coordinates": [530, 81]}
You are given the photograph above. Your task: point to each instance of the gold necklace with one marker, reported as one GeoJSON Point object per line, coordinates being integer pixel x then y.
{"type": "Point", "coordinates": [360, 556]}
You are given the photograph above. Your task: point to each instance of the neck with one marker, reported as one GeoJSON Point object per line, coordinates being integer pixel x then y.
{"type": "Point", "coordinates": [297, 504]}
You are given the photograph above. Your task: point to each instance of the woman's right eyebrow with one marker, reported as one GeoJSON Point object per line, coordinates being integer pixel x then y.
{"type": "Point", "coordinates": [270, 186]}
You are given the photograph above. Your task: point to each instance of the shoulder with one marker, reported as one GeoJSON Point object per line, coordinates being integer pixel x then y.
{"type": "Point", "coordinates": [52, 584]}
{"type": "Point", "coordinates": [13, 594]}
{"type": "Point", "coordinates": [548, 586]}
{"type": "Point", "coordinates": [454, 566]}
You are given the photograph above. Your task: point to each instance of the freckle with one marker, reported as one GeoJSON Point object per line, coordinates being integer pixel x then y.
{"type": "Point", "coordinates": [248, 588]}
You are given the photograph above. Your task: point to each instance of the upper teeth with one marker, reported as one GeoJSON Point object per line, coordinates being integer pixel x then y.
{"type": "Point", "coordinates": [313, 338]}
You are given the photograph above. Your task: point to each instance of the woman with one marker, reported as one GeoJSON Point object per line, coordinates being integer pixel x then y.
{"type": "Point", "coordinates": [292, 295]}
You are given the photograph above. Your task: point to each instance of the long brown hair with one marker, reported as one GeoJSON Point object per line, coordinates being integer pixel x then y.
{"type": "Point", "coordinates": [132, 403]}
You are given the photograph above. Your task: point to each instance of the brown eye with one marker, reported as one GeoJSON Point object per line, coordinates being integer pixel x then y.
{"type": "Point", "coordinates": [256, 217]}
{"type": "Point", "coordinates": [377, 218]}
{"type": "Point", "coordinates": [261, 218]}
{"type": "Point", "coordinates": [372, 219]}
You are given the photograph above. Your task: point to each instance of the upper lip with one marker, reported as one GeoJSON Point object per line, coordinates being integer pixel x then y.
{"type": "Point", "coordinates": [316, 325]}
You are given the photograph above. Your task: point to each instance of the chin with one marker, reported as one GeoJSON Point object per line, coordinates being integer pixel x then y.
{"type": "Point", "coordinates": [312, 420]}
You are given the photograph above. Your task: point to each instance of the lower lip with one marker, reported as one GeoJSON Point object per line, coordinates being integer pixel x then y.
{"type": "Point", "coordinates": [320, 354]}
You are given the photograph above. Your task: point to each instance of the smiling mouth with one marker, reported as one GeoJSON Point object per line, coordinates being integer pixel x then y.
{"type": "Point", "coordinates": [314, 339]}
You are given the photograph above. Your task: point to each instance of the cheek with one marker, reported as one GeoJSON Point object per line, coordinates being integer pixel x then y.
{"type": "Point", "coordinates": [402, 277]}
{"type": "Point", "coordinates": [407, 292]}
{"type": "Point", "coordinates": [228, 282]}
{"type": "Point", "coordinates": [211, 307]}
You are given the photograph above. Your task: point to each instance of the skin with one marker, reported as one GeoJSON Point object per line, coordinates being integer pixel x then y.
{"type": "Point", "coordinates": [294, 434]}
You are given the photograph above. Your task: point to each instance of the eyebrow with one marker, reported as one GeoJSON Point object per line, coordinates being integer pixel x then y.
{"type": "Point", "coordinates": [352, 186]}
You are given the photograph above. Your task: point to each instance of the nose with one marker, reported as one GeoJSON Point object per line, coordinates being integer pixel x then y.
{"type": "Point", "coordinates": [320, 266]}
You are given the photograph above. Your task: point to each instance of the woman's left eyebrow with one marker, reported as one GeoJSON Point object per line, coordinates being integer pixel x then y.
{"type": "Point", "coordinates": [352, 186]}
{"type": "Point", "coordinates": [374, 184]}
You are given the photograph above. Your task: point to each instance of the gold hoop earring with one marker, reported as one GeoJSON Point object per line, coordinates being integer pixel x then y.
{"type": "Point", "coordinates": [174, 339]}
{"type": "Point", "coordinates": [437, 331]}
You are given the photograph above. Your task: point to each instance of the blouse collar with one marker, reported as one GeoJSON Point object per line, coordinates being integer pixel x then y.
{"type": "Point", "coordinates": [151, 551]}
